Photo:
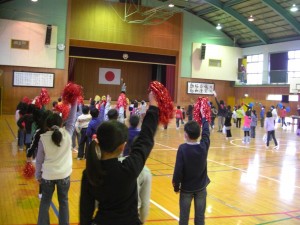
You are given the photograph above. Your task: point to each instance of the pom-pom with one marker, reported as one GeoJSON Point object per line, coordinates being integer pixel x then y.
{"type": "Point", "coordinates": [280, 105]}
{"type": "Point", "coordinates": [26, 100]}
{"type": "Point", "coordinates": [251, 104]}
{"type": "Point", "coordinates": [64, 109]}
{"type": "Point", "coordinates": [288, 109]}
{"type": "Point", "coordinates": [122, 101]}
{"type": "Point", "coordinates": [71, 93]}
{"type": "Point", "coordinates": [28, 170]}
{"type": "Point", "coordinates": [80, 100]}
{"type": "Point", "coordinates": [202, 102]}
{"type": "Point", "coordinates": [44, 96]}
{"type": "Point", "coordinates": [164, 101]}
{"type": "Point", "coordinates": [97, 98]}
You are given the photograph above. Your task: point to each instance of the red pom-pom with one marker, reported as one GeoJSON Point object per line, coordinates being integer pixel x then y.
{"type": "Point", "coordinates": [28, 170]}
{"type": "Point", "coordinates": [44, 96]}
{"type": "Point", "coordinates": [64, 109]}
{"type": "Point", "coordinates": [71, 93]}
{"type": "Point", "coordinates": [26, 100]}
{"type": "Point", "coordinates": [164, 101]}
{"type": "Point", "coordinates": [38, 102]}
{"type": "Point", "coordinates": [122, 101]}
{"type": "Point", "coordinates": [202, 102]}
{"type": "Point", "coordinates": [80, 100]}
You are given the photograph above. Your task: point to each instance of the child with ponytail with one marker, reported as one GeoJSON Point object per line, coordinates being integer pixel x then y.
{"type": "Point", "coordinates": [54, 165]}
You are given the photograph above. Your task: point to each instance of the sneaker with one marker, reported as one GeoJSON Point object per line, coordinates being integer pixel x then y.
{"type": "Point", "coordinates": [227, 138]}
{"type": "Point", "coordinates": [40, 196]}
{"type": "Point", "coordinates": [79, 158]}
{"type": "Point", "coordinates": [74, 150]}
{"type": "Point", "coordinates": [267, 147]}
{"type": "Point", "coordinates": [20, 149]}
{"type": "Point", "coordinates": [177, 128]}
{"type": "Point", "coordinates": [276, 147]}
{"type": "Point", "coordinates": [243, 142]}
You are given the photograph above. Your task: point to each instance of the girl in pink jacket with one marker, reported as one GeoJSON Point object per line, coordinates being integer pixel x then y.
{"type": "Point", "coordinates": [246, 127]}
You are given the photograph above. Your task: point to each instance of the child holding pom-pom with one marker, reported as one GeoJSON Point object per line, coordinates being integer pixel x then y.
{"type": "Point", "coordinates": [54, 160]}
{"type": "Point", "coordinates": [190, 177]}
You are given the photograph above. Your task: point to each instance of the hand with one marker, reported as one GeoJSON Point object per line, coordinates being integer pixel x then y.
{"type": "Point", "coordinates": [108, 98]}
{"type": "Point", "coordinates": [152, 99]}
{"type": "Point", "coordinates": [215, 93]}
{"type": "Point", "coordinates": [202, 111]}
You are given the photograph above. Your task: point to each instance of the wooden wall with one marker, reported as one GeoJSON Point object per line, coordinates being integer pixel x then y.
{"type": "Point", "coordinates": [259, 95]}
{"type": "Point", "coordinates": [102, 21]}
{"type": "Point", "coordinates": [13, 95]}
{"type": "Point", "coordinates": [136, 76]}
{"type": "Point", "coordinates": [236, 95]}
{"type": "Point", "coordinates": [224, 90]}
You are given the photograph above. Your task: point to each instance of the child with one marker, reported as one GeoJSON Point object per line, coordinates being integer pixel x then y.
{"type": "Point", "coordinates": [21, 111]}
{"type": "Point", "coordinates": [270, 128]}
{"type": "Point", "coordinates": [105, 174]}
{"type": "Point", "coordinates": [228, 122]}
{"type": "Point", "coordinates": [283, 115]}
{"type": "Point", "coordinates": [239, 115]}
{"type": "Point", "coordinates": [93, 124]}
{"type": "Point", "coordinates": [143, 109]}
{"type": "Point", "coordinates": [54, 165]}
{"type": "Point", "coordinates": [178, 115]}
{"type": "Point", "coordinates": [246, 127]}
{"type": "Point", "coordinates": [221, 113]}
{"type": "Point", "coordinates": [183, 115]}
{"type": "Point", "coordinates": [214, 113]}
{"type": "Point", "coordinates": [253, 123]}
{"type": "Point", "coordinates": [25, 122]}
{"type": "Point", "coordinates": [133, 131]}
{"type": "Point", "coordinates": [190, 177]}
{"type": "Point", "coordinates": [81, 126]}
{"type": "Point", "coordinates": [262, 116]}
{"type": "Point", "coordinates": [189, 112]}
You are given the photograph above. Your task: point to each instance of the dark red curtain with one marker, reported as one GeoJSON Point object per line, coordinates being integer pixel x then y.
{"type": "Point", "coordinates": [71, 74]}
{"type": "Point", "coordinates": [170, 80]}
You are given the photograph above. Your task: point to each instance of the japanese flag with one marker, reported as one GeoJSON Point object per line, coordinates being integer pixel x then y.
{"type": "Point", "coordinates": [109, 76]}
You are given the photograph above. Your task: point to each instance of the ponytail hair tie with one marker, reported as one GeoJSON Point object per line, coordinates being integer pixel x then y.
{"type": "Point", "coordinates": [54, 127]}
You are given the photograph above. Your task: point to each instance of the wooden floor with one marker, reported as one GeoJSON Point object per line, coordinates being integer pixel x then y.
{"type": "Point", "coordinates": [249, 184]}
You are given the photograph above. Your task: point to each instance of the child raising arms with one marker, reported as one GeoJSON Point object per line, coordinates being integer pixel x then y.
{"type": "Point", "coordinates": [111, 182]}
{"type": "Point", "coordinates": [190, 173]}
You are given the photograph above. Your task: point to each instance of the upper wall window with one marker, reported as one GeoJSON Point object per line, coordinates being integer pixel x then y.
{"type": "Point", "coordinates": [254, 69]}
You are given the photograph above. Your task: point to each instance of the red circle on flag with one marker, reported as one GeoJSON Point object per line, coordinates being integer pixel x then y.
{"type": "Point", "coordinates": [109, 76]}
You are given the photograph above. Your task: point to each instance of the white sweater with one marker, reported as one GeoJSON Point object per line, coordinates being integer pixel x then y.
{"type": "Point", "coordinates": [58, 160]}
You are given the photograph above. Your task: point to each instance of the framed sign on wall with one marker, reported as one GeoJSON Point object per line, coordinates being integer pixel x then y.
{"type": "Point", "coordinates": [198, 88]}
{"type": "Point", "coordinates": [33, 79]}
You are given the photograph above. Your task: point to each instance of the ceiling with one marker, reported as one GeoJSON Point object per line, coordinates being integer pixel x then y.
{"type": "Point", "coordinates": [273, 20]}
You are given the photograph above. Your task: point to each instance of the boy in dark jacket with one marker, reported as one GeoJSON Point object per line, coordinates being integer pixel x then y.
{"type": "Point", "coordinates": [190, 173]}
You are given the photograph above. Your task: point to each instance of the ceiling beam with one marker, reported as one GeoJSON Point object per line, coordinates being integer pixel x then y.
{"type": "Point", "coordinates": [284, 14]}
{"type": "Point", "coordinates": [233, 2]}
{"type": "Point", "coordinates": [205, 11]}
{"type": "Point", "coordinates": [218, 4]}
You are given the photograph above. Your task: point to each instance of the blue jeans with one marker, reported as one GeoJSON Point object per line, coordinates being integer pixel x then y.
{"type": "Point", "coordinates": [199, 206]}
{"type": "Point", "coordinates": [48, 187]}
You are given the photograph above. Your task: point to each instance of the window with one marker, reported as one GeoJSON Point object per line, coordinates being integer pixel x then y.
{"type": "Point", "coordinates": [254, 69]}
{"type": "Point", "coordinates": [293, 65]}
{"type": "Point", "coordinates": [292, 98]}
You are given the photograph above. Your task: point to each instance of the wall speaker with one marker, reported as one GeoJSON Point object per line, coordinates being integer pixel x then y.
{"type": "Point", "coordinates": [203, 49]}
{"type": "Point", "coordinates": [48, 35]}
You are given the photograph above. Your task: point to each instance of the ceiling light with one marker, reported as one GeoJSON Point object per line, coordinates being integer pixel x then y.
{"type": "Point", "coordinates": [34, 0]}
{"type": "Point", "coordinates": [294, 8]}
{"type": "Point", "coordinates": [250, 18]}
{"type": "Point", "coordinates": [171, 5]}
{"type": "Point", "coordinates": [219, 27]}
